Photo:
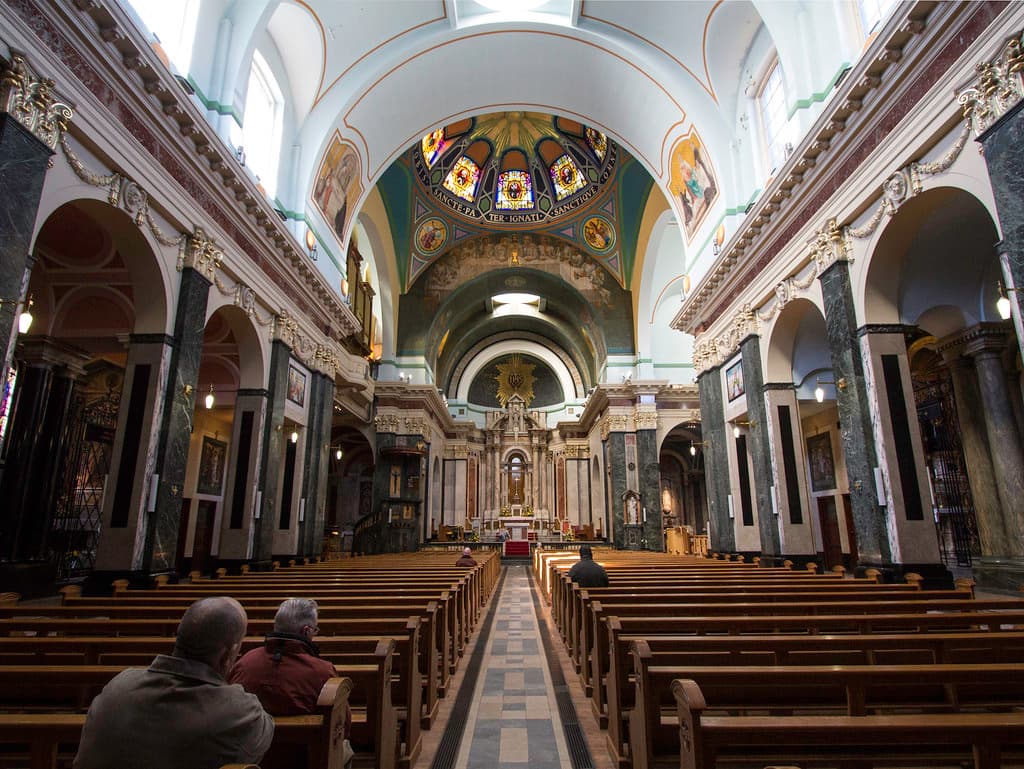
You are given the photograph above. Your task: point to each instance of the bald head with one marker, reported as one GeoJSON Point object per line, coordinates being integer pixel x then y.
{"type": "Point", "coordinates": [210, 630]}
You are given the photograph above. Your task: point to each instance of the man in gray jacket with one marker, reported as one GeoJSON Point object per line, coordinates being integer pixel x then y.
{"type": "Point", "coordinates": [180, 711]}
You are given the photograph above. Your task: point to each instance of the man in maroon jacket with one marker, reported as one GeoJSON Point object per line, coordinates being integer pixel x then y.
{"type": "Point", "coordinates": [286, 673]}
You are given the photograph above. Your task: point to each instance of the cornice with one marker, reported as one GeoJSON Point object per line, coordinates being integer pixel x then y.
{"type": "Point", "coordinates": [400, 397]}
{"type": "Point", "coordinates": [908, 51]}
{"type": "Point", "coordinates": [99, 46]}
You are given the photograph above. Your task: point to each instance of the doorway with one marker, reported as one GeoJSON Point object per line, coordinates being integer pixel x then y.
{"type": "Point", "coordinates": [831, 545]}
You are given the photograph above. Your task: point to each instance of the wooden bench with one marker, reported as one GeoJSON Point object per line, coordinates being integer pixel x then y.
{"type": "Point", "coordinates": [860, 741]}
{"type": "Point", "coordinates": [318, 736]}
{"type": "Point", "coordinates": [853, 690]}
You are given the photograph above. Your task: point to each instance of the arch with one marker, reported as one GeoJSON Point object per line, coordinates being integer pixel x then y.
{"type": "Point", "coordinates": [252, 350]}
{"type": "Point", "coordinates": [789, 331]}
{"type": "Point", "coordinates": [493, 352]}
{"type": "Point", "coordinates": [937, 250]}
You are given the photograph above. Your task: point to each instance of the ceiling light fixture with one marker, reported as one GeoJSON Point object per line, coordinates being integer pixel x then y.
{"type": "Point", "coordinates": [25, 318]}
{"type": "Point", "coordinates": [1003, 302]}
{"type": "Point", "coordinates": [819, 391]}
{"type": "Point", "coordinates": [513, 297]}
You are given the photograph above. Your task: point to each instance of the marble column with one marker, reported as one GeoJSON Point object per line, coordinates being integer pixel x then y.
{"type": "Point", "coordinates": [617, 469]}
{"type": "Point", "coordinates": [160, 530]}
{"type": "Point", "coordinates": [34, 471]}
{"type": "Point", "coordinates": [760, 449]}
{"type": "Point", "coordinates": [650, 488]}
{"type": "Point", "coordinates": [319, 496]}
{"type": "Point", "coordinates": [722, 534]}
{"type": "Point", "coordinates": [1004, 438]}
{"type": "Point", "coordinates": [534, 472]}
{"type": "Point", "coordinates": [272, 449]}
{"type": "Point", "coordinates": [237, 530]}
{"type": "Point", "coordinates": [23, 163]}
{"type": "Point", "coordinates": [1003, 144]}
{"type": "Point", "coordinates": [988, 510]}
{"type": "Point", "coordinates": [856, 432]}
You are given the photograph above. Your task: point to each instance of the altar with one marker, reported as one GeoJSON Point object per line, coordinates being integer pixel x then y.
{"type": "Point", "coordinates": [518, 525]}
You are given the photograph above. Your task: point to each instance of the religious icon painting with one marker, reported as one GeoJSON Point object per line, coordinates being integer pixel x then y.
{"type": "Point", "coordinates": [566, 177]}
{"type": "Point", "coordinates": [734, 380]}
{"type": "Point", "coordinates": [598, 143]}
{"type": "Point", "coordinates": [296, 386]}
{"type": "Point", "coordinates": [819, 457]}
{"type": "Point", "coordinates": [211, 466]}
{"type": "Point", "coordinates": [337, 184]}
{"type": "Point", "coordinates": [463, 178]}
{"type": "Point", "coordinates": [515, 191]}
{"type": "Point", "coordinates": [598, 233]}
{"type": "Point", "coordinates": [431, 235]}
{"type": "Point", "coordinates": [692, 181]}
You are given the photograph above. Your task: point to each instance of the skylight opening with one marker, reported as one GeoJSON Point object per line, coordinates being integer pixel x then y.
{"type": "Point", "coordinates": [511, 6]}
{"type": "Point", "coordinates": [515, 298]}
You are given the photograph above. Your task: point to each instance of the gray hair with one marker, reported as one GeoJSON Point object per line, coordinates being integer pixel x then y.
{"type": "Point", "coordinates": [293, 614]}
{"type": "Point", "coordinates": [209, 626]}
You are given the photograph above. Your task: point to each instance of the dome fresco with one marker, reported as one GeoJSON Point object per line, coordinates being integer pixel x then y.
{"type": "Point", "coordinates": [514, 168]}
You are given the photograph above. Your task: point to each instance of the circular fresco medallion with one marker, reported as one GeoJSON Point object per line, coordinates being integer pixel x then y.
{"type": "Point", "coordinates": [431, 235]}
{"type": "Point", "coordinates": [598, 233]}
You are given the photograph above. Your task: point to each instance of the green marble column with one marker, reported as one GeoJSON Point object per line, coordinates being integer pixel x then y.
{"type": "Point", "coordinates": [760, 450]}
{"type": "Point", "coordinates": [722, 535]}
{"type": "Point", "coordinates": [268, 483]}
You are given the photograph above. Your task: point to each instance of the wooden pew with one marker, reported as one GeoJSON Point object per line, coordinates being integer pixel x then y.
{"type": "Point", "coordinates": [861, 739]}
{"type": "Point", "coordinates": [318, 736]}
{"type": "Point", "coordinates": [853, 690]}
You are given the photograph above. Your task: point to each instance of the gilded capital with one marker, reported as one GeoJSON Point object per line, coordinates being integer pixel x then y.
{"type": "Point", "coordinates": [999, 86]}
{"type": "Point", "coordinates": [30, 100]}
{"type": "Point", "coordinates": [201, 254]}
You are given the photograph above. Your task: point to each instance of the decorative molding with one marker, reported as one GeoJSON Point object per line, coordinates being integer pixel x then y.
{"type": "Point", "coordinates": [30, 100]}
{"type": "Point", "coordinates": [417, 426]}
{"type": "Point", "coordinates": [645, 419]}
{"type": "Point", "coordinates": [714, 352]}
{"type": "Point", "coordinates": [998, 88]}
{"type": "Point", "coordinates": [200, 253]}
{"type": "Point", "coordinates": [386, 423]}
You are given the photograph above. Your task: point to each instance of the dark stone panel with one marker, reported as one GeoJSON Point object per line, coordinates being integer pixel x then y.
{"type": "Point", "coordinates": [284, 521]}
{"type": "Point", "coordinates": [743, 468]}
{"type": "Point", "coordinates": [796, 513]}
{"type": "Point", "coordinates": [129, 459]}
{"type": "Point", "coordinates": [854, 416]}
{"type": "Point", "coordinates": [901, 437]}
{"type": "Point", "coordinates": [23, 162]}
{"type": "Point", "coordinates": [617, 465]}
{"type": "Point", "coordinates": [650, 487]}
{"type": "Point", "coordinates": [243, 454]}
{"type": "Point", "coordinates": [161, 535]}
{"type": "Point", "coordinates": [269, 479]}
{"type": "Point", "coordinates": [760, 444]}
{"type": "Point", "coordinates": [319, 513]}
{"type": "Point", "coordinates": [1004, 155]}
{"type": "Point", "coordinates": [716, 462]}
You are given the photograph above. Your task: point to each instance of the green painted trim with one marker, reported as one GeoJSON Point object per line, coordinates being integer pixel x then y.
{"type": "Point", "coordinates": [820, 96]}
{"type": "Point", "coordinates": [212, 104]}
{"type": "Point", "coordinates": [673, 365]}
{"type": "Point", "coordinates": [645, 360]}
{"type": "Point", "coordinates": [711, 233]}
{"type": "Point", "coordinates": [403, 365]}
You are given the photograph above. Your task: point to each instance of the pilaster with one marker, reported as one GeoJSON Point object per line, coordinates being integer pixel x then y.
{"type": "Point", "coordinates": [722, 535]}
{"type": "Point", "coordinates": [271, 468]}
{"type": "Point", "coordinates": [789, 462]}
{"type": "Point", "coordinates": [238, 528]}
{"type": "Point", "coordinates": [760, 447]}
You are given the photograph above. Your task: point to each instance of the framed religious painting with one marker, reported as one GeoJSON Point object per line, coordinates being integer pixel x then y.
{"type": "Point", "coordinates": [296, 386]}
{"type": "Point", "coordinates": [211, 466]}
{"type": "Point", "coordinates": [734, 380]}
{"type": "Point", "coordinates": [819, 457]}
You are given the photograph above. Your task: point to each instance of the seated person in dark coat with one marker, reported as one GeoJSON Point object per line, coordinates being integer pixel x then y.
{"type": "Point", "coordinates": [286, 673]}
{"type": "Point", "coordinates": [587, 572]}
{"type": "Point", "coordinates": [467, 558]}
{"type": "Point", "coordinates": [180, 711]}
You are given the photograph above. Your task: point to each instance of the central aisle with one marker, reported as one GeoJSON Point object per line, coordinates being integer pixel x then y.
{"type": "Point", "coordinates": [514, 717]}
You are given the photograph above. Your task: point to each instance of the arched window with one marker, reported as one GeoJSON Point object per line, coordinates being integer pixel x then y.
{"type": "Point", "coordinates": [873, 13]}
{"type": "Point", "coordinates": [261, 131]}
{"type": "Point", "coordinates": [771, 103]}
{"type": "Point", "coordinates": [174, 26]}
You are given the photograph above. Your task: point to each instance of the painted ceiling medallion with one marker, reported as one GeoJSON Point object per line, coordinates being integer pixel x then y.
{"type": "Point", "coordinates": [515, 377]}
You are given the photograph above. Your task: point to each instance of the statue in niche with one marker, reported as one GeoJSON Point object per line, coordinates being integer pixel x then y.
{"type": "Point", "coordinates": [631, 511]}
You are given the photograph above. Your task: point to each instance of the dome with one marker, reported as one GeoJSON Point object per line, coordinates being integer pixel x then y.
{"type": "Point", "coordinates": [514, 168]}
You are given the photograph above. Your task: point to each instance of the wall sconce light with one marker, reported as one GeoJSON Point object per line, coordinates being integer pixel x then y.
{"type": "Point", "coordinates": [694, 445]}
{"type": "Point", "coordinates": [338, 453]}
{"type": "Point", "coordinates": [716, 244]}
{"type": "Point", "coordinates": [1002, 303]}
{"type": "Point", "coordinates": [240, 155]}
{"type": "Point", "coordinates": [311, 244]}
{"type": "Point", "coordinates": [208, 400]}
{"type": "Point", "coordinates": [819, 391]}
{"type": "Point", "coordinates": [344, 288]}
{"type": "Point", "coordinates": [25, 318]}
{"type": "Point", "coordinates": [294, 436]}
{"type": "Point", "coordinates": [737, 424]}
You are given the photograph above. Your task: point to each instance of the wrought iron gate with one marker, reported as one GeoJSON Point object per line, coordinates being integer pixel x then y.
{"type": "Point", "coordinates": [78, 517]}
{"type": "Point", "coordinates": [957, 526]}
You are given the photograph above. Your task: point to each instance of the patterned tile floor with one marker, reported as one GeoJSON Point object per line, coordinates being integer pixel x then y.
{"type": "Point", "coordinates": [513, 718]}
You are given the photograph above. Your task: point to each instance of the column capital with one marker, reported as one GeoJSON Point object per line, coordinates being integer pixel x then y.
{"type": "Point", "coordinates": [47, 352]}
{"type": "Point", "coordinates": [200, 253]}
{"type": "Point", "coordinates": [30, 100]}
{"type": "Point", "coordinates": [998, 89]}
{"type": "Point", "coordinates": [986, 338]}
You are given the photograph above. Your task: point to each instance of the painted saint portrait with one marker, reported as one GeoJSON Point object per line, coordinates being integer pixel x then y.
{"type": "Point", "coordinates": [819, 457]}
{"type": "Point", "coordinates": [692, 181]}
{"type": "Point", "coordinates": [431, 235]}
{"type": "Point", "coordinates": [296, 386]}
{"type": "Point", "coordinates": [734, 381]}
{"type": "Point", "coordinates": [337, 184]}
{"type": "Point", "coordinates": [211, 466]}
{"type": "Point", "coordinates": [598, 233]}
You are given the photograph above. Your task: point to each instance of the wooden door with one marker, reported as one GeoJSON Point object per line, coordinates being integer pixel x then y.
{"type": "Point", "coordinates": [831, 545]}
{"type": "Point", "coordinates": [206, 513]}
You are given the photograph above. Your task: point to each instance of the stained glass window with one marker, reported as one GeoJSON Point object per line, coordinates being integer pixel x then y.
{"type": "Point", "coordinates": [463, 178]}
{"type": "Point", "coordinates": [515, 191]}
{"type": "Point", "coordinates": [566, 176]}
{"type": "Point", "coordinates": [433, 146]}
{"type": "Point", "coordinates": [598, 143]}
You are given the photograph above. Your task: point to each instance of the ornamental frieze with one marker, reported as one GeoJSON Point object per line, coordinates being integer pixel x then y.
{"type": "Point", "coordinates": [645, 419]}
{"type": "Point", "coordinates": [386, 423]}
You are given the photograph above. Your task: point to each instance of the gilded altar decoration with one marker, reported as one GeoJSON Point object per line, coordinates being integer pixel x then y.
{"type": "Point", "coordinates": [31, 101]}
{"type": "Point", "coordinates": [515, 377]}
